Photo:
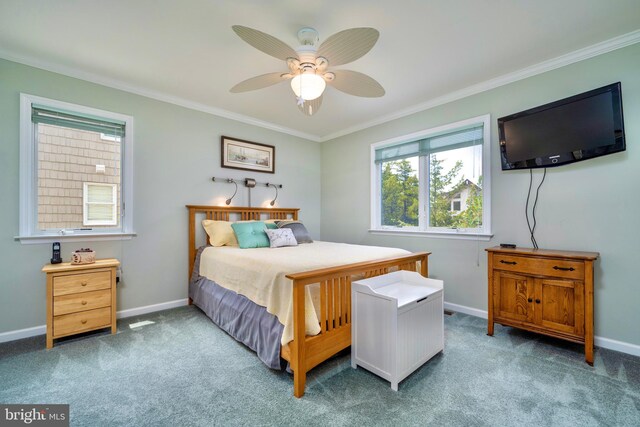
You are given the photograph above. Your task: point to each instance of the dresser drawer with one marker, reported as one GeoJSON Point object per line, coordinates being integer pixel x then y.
{"type": "Point", "coordinates": [80, 322]}
{"type": "Point", "coordinates": [540, 266]}
{"type": "Point", "coordinates": [73, 303]}
{"type": "Point", "coordinates": [82, 282]}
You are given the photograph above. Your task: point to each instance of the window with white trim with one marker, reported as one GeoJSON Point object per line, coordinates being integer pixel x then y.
{"type": "Point", "coordinates": [434, 181]}
{"type": "Point", "coordinates": [75, 170]}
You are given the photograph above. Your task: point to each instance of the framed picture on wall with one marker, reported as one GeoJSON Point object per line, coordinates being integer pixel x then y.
{"type": "Point", "coordinates": [247, 155]}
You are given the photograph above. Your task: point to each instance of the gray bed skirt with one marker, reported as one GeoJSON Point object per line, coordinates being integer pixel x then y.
{"type": "Point", "coordinates": [237, 315]}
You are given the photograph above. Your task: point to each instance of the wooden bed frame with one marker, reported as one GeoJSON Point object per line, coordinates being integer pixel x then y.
{"type": "Point", "coordinates": [306, 352]}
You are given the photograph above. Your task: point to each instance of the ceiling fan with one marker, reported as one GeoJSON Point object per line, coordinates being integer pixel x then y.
{"type": "Point", "coordinates": [308, 64]}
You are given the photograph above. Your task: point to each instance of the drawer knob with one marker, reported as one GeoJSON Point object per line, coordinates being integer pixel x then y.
{"type": "Point", "coordinates": [83, 283]}
{"type": "Point", "coordinates": [83, 321]}
{"type": "Point", "coordinates": [529, 300]}
{"type": "Point", "coordinates": [84, 303]}
{"type": "Point", "coordinates": [537, 301]}
{"type": "Point", "coordinates": [508, 262]}
{"type": "Point", "coordinates": [563, 268]}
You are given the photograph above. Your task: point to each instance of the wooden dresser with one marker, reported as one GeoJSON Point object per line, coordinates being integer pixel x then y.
{"type": "Point", "coordinates": [544, 291]}
{"type": "Point", "coordinates": [80, 298]}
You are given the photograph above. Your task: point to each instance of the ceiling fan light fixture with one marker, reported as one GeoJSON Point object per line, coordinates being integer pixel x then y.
{"type": "Point", "coordinates": [308, 86]}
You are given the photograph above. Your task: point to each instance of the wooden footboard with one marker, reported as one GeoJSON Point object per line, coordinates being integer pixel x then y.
{"type": "Point", "coordinates": [306, 352]}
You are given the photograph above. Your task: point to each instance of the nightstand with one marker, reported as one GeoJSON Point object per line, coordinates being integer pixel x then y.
{"type": "Point", "coordinates": [80, 298]}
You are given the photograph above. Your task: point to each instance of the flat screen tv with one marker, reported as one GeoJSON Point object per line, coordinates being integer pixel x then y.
{"type": "Point", "coordinates": [570, 130]}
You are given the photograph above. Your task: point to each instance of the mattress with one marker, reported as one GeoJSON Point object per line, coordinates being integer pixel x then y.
{"type": "Point", "coordinates": [259, 274]}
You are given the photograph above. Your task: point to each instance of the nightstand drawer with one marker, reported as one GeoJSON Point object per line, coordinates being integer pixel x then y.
{"type": "Point", "coordinates": [83, 282]}
{"type": "Point", "coordinates": [84, 301]}
{"type": "Point", "coordinates": [538, 266]}
{"type": "Point", "coordinates": [80, 322]}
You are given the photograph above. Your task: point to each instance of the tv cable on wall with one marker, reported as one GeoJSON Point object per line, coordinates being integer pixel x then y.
{"type": "Point", "coordinates": [532, 228]}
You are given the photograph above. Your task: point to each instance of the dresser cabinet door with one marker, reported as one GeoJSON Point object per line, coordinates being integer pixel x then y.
{"type": "Point", "coordinates": [561, 305]}
{"type": "Point", "coordinates": [512, 296]}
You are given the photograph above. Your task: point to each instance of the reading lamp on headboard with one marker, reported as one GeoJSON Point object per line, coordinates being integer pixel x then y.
{"type": "Point", "coordinates": [273, 202]}
{"type": "Point", "coordinates": [249, 183]}
{"type": "Point", "coordinates": [228, 201]}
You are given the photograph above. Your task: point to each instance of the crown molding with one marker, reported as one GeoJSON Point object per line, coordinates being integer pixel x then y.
{"type": "Point", "coordinates": [149, 93]}
{"type": "Point", "coordinates": [542, 67]}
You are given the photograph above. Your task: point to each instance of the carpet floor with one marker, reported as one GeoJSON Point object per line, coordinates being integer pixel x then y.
{"type": "Point", "coordinates": [182, 370]}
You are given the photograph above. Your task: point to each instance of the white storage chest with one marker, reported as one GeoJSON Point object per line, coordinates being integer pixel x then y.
{"type": "Point", "coordinates": [397, 324]}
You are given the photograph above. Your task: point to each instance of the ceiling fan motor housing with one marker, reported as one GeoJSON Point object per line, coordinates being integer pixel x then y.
{"type": "Point", "coordinates": [307, 54]}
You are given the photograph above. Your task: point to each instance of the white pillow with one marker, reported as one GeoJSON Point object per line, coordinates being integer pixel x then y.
{"type": "Point", "coordinates": [280, 237]}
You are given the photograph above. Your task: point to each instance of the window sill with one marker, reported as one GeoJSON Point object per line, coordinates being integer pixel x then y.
{"type": "Point", "coordinates": [484, 237]}
{"type": "Point", "coordinates": [50, 238]}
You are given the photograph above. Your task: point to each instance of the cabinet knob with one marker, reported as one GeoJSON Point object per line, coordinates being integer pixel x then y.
{"type": "Point", "coordinates": [537, 301]}
{"type": "Point", "coordinates": [83, 283]}
{"type": "Point", "coordinates": [530, 300]}
{"type": "Point", "coordinates": [83, 321]}
{"type": "Point", "coordinates": [84, 303]}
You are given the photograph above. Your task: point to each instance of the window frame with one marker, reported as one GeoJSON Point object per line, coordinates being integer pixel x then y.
{"type": "Point", "coordinates": [484, 233]}
{"type": "Point", "coordinates": [28, 205]}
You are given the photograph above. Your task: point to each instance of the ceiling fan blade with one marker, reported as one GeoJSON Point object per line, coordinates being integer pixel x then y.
{"type": "Point", "coordinates": [260, 82]}
{"type": "Point", "coordinates": [355, 83]}
{"type": "Point", "coordinates": [309, 108]}
{"type": "Point", "coordinates": [265, 43]}
{"type": "Point", "coordinates": [348, 45]}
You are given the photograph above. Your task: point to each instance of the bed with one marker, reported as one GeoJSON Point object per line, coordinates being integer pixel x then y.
{"type": "Point", "coordinates": [316, 325]}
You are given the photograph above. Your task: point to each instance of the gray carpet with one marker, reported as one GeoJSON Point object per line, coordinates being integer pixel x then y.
{"type": "Point", "coordinates": [183, 370]}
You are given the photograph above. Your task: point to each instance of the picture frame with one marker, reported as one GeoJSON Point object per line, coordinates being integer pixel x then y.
{"type": "Point", "coordinates": [247, 155]}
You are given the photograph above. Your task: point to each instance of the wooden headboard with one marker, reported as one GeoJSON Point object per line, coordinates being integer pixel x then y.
{"type": "Point", "coordinates": [230, 213]}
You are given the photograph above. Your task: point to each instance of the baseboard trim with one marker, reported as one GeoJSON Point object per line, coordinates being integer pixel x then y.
{"type": "Point", "coordinates": [23, 333]}
{"type": "Point", "coordinates": [42, 329]}
{"type": "Point", "coordinates": [621, 346]}
{"type": "Point", "coordinates": [608, 343]}
{"type": "Point", "coordinates": [151, 308]}
{"type": "Point", "coordinates": [465, 310]}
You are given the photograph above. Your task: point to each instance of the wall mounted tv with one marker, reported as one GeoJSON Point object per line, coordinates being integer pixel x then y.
{"type": "Point", "coordinates": [570, 130]}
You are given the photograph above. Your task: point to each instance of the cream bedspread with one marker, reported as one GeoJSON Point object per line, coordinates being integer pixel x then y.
{"type": "Point", "coordinates": [259, 274]}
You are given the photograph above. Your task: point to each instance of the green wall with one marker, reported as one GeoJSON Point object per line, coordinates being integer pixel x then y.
{"type": "Point", "coordinates": [590, 206]}
{"type": "Point", "coordinates": [176, 152]}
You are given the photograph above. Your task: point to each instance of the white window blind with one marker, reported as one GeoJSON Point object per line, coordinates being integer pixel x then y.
{"type": "Point", "coordinates": [451, 140]}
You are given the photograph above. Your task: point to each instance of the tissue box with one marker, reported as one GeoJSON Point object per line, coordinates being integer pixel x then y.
{"type": "Point", "coordinates": [83, 256]}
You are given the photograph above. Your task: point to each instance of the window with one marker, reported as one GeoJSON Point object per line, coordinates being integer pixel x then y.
{"type": "Point", "coordinates": [75, 172]}
{"type": "Point", "coordinates": [434, 182]}
{"type": "Point", "coordinates": [99, 204]}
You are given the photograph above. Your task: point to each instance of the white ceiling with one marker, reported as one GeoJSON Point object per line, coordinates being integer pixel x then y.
{"type": "Point", "coordinates": [187, 52]}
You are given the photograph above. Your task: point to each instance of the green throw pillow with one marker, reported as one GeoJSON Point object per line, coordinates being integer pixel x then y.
{"type": "Point", "coordinates": [251, 234]}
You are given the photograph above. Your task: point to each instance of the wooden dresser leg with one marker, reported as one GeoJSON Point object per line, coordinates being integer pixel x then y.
{"type": "Point", "coordinates": [588, 312]}
{"type": "Point", "coordinates": [190, 302]}
{"type": "Point", "coordinates": [299, 381]}
{"type": "Point", "coordinates": [490, 294]}
{"type": "Point", "coordinates": [588, 350]}
{"type": "Point", "coordinates": [49, 342]}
